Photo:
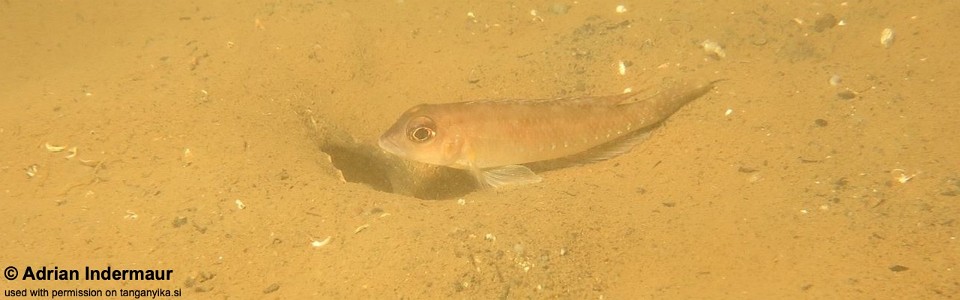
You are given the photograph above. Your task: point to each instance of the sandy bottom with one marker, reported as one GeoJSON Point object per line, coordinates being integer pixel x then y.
{"type": "Point", "coordinates": [235, 145]}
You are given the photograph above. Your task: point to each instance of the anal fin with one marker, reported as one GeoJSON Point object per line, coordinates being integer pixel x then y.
{"type": "Point", "coordinates": [614, 149]}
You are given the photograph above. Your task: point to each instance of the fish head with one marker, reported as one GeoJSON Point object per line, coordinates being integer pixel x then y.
{"type": "Point", "coordinates": [421, 134]}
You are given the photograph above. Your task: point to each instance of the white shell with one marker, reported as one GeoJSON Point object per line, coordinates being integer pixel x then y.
{"type": "Point", "coordinates": [53, 148]}
{"type": "Point", "coordinates": [714, 48]}
{"type": "Point", "coordinates": [321, 243]}
{"type": "Point", "coordinates": [886, 37]}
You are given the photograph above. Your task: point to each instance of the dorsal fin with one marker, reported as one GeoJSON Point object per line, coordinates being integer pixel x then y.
{"type": "Point", "coordinates": [673, 97]}
{"type": "Point", "coordinates": [624, 98]}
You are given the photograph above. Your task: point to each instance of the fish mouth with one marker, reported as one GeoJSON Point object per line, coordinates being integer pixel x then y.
{"type": "Point", "coordinates": [389, 145]}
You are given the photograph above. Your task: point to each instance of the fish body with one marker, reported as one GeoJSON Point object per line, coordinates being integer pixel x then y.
{"type": "Point", "coordinates": [494, 139]}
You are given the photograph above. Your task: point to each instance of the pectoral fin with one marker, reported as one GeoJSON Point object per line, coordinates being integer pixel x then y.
{"type": "Point", "coordinates": [507, 175]}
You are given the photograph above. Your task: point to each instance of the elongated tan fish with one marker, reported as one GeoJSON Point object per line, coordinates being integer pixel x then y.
{"type": "Point", "coordinates": [493, 139]}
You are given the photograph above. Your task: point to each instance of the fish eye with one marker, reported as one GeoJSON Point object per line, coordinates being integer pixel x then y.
{"type": "Point", "coordinates": [421, 129]}
{"type": "Point", "coordinates": [421, 134]}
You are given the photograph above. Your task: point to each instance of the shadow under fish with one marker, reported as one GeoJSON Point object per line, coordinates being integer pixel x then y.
{"type": "Point", "coordinates": [353, 161]}
{"type": "Point", "coordinates": [442, 151]}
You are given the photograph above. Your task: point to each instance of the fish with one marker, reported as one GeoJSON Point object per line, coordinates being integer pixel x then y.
{"type": "Point", "coordinates": [497, 140]}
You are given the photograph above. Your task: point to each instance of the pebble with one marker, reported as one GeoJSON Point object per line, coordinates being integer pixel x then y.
{"type": "Point", "coordinates": [179, 221]}
{"type": "Point", "coordinates": [898, 268]}
{"type": "Point", "coordinates": [846, 94]}
{"type": "Point", "coordinates": [272, 288]}
{"type": "Point", "coordinates": [825, 22]}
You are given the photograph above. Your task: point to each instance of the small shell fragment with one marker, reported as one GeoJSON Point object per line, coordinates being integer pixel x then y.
{"type": "Point", "coordinates": [713, 48]}
{"type": "Point", "coordinates": [361, 228]}
{"type": "Point", "coordinates": [53, 148]}
{"type": "Point", "coordinates": [835, 80]}
{"type": "Point", "coordinates": [903, 177]}
{"type": "Point", "coordinates": [240, 204]}
{"type": "Point", "coordinates": [621, 9]}
{"type": "Point", "coordinates": [186, 157]}
{"type": "Point", "coordinates": [31, 171]}
{"type": "Point", "coordinates": [90, 162]}
{"type": "Point", "coordinates": [71, 153]}
{"type": "Point", "coordinates": [621, 68]}
{"type": "Point", "coordinates": [886, 37]}
{"type": "Point", "coordinates": [320, 243]}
